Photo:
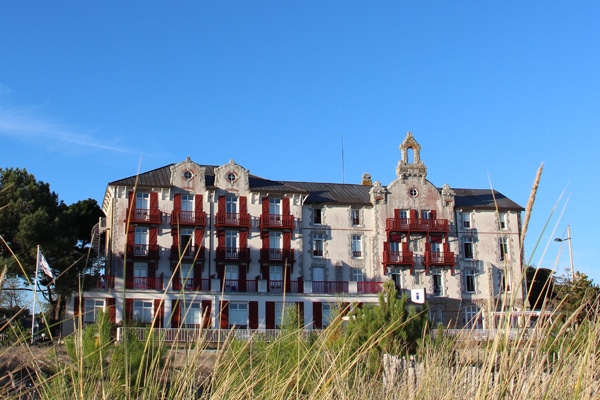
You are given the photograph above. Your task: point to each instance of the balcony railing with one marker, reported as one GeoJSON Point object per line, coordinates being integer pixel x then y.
{"type": "Point", "coordinates": [142, 250]}
{"type": "Point", "coordinates": [277, 255]}
{"type": "Point", "coordinates": [276, 221]}
{"type": "Point", "coordinates": [241, 220]}
{"type": "Point", "coordinates": [330, 287]}
{"type": "Point", "coordinates": [188, 253]}
{"type": "Point", "coordinates": [369, 287]}
{"type": "Point", "coordinates": [443, 258]}
{"type": "Point", "coordinates": [278, 286]}
{"type": "Point", "coordinates": [188, 218]}
{"type": "Point", "coordinates": [105, 282]}
{"type": "Point", "coordinates": [416, 225]}
{"type": "Point", "coordinates": [144, 215]}
{"type": "Point", "coordinates": [239, 285]}
{"type": "Point", "coordinates": [191, 284]}
{"type": "Point", "coordinates": [233, 254]}
{"type": "Point", "coordinates": [138, 282]}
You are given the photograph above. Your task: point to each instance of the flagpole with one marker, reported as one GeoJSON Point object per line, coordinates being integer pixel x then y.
{"type": "Point", "coordinates": [37, 264]}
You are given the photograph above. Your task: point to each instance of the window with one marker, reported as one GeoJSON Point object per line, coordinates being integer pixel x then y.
{"type": "Point", "coordinates": [92, 308]}
{"type": "Point", "coordinates": [470, 281]}
{"type": "Point", "coordinates": [186, 275]}
{"type": "Point", "coordinates": [191, 314]}
{"type": "Point", "coordinates": [238, 315]}
{"type": "Point", "coordinates": [142, 201]}
{"type": "Point", "coordinates": [396, 276]}
{"type": "Point", "coordinates": [471, 317]}
{"type": "Point", "coordinates": [276, 278]}
{"type": "Point", "coordinates": [436, 316]}
{"type": "Point", "coordinates": [503, 245]}
{"type": "Point", "coordinates": [468, 248]}
{"type": "Point", "coordinates": [317, 216]}
{"type": "Point", "coordinates": [231, 244]}
{"type": "Point", "coordinates": [231, 209]}
{"type": "Point", "coordinates": [357, 275]}
{"type": "Point", "coordinates": [141, 241]}
{"type": "Point", "coordinates": [318, 274]}
{"type": "Point", "coordinates": [231, 278]}
{"type": "Point", "coordinates": [404, 214]}
{"type": "Point", "coordinates": [355, 216]}
{"type": "Point", "coordinates": [327, 309]}
{"type": "Point", "coordinates": [275, 241]}
{"type": "Point", "coordinates": [502, 217]}
{"type": "Point", "coordinates": [186, 242]}
{"type": "Point", "coordinates": [187, 208]}
{"type": "Point", "coordinates": [275, 206]}
{"type": "Point", "coordinates": [281, 310]}
{"type": "Point", "coordinates": [466, 219]}
{"type": "Point", "coordinates": [425, 214]}
{"type": "Point", "coordinates": [438, 288]}
{"type": "Point", "coordinates": [142, 311]}
{"type": "Point", "coordinates": [140, 275]}
{"type": "Point", "coordinates": [357, 246]}
{"type": "Point", "coordinates": [318, 240]}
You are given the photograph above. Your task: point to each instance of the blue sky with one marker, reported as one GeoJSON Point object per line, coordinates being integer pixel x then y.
{"type": "Point", "coordinates": [91, 92]}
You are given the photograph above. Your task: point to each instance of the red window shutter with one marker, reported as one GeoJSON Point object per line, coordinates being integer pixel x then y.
{"type": "Point", "coordinates": [153, 200]}
{"type": "Point", "coordinates": [198, 237]}
{"type": "Point", "coordinates": [128, 310]}
{"type": "Point", "coordinates": [110, 309]}
{"type": "Point", "coordinates": [397, 213]}
{"type": "Point", "coordinates": [206, 312]}
{"type": "Point", "coordinates": [435, 239]}
{"type": "Point", "coordinates": [345, 308]}
{"type": "Point", "coordinates": [224, 315]}
{"type": "Point", "coordinates": [221, 204]}
{"type": "Point", "coordinates": [287, 240]}
{"type": "Point", "coordinates": [265, 205]}
{"type": "Point", "coordinates": [288, 277]}
{"type": "Point", "coordinates": [253, 314]}
{"type": "Point", "coordinates": [265, 240]}
{"type": "Point", "coordinates": [300, 309]}
{"type": "Point", "coordinates": [130, 236]}
{"type": "Point", "coordinates": [243, 239]}
{"type": "Point", "coordinates": [153, 236]}
{"type": "Point", "coordinates": [243, 206]}
{"type": "Point", "coordinates": [285, 209]}
{"type": "Point", "coordinates": [176, 205]}
{"type": "Point", "coordinates": [433, 214]}
{"type": "Point", "coordinates": [175, 235]}
{"type": "Point", "coordinates": [132, 201]}
{"type": "Point", "coordinates": [395, 237]}
{"type": "Point", "coordinates": [264, 271]}
{"type": "Point", "coordinates": [413, 214]}
{"type": "Point", "coordinates": [198, 203]}
{"type": "Point", "coordinates": [198, 276]}
{"type": "Point", "coordinates": [242, 276]}
{"type": "Point", "coordinates": [221, 239]}
{"type": "Point", "coordinates": [151, 270]}
{"type": "Point", "coordinates": [221, 272]}
{"type": "Point", "coordinates": [318, 315]}
{"type": "Point", "coordinates": [175, 314]}
{"type": "Point", "coordinates": [159, 312]}
{"type": "Point", "coordinates": [270, 314]}
{"type": "Point", "coordinates": [176, 279]}
{"type": "Point", "coordinates": [129, 274]}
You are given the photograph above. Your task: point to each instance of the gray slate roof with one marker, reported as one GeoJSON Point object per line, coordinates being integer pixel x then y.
{"type": "Point", "coordinates": [320, 193]}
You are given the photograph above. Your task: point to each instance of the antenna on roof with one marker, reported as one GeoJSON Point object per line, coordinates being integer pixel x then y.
{"type": "Point", "coordinates": [342, 158]}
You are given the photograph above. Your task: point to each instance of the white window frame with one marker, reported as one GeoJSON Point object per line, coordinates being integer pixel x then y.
{"type": "Point", "coordinates": [318, 245]}
{"type": "Point", "coordinates": [91, 308]}
{"type": "Point", "coordinates": [470, 281]}
{"type": "Point", "coordinates": [142, 201]}
{"type": "Point", "coordinates": [355, 217]}
{"type": "Point", "coordinates": [238, 314]}
{"type": "Point", "coordinates": [274, 206]}
{"type": "Point", "coordinates": [143, 311]}
{"type": "Point", "coordinates": [281, 309]}
{"type": "Point", "coordinates": [437, 281]}
{"type": "Point", "coordinates": [503, 249]}
{"type": "Point", "coordinates": [326, 317]}
{"type": "Point", "coordinates": [425, 214]}
{"type": "Point", "coordinates": [468, 242]}
{"type": "Point", "coordinates": [471, 317]}
{"type": "Point", "coordinates": [357, 275]}
{"type": "Point", "coordinates": [191, 314]}
{"type": "Point", "coordinates": [357, 246]}
{"type": "Point", "coordinates": [466, 220]}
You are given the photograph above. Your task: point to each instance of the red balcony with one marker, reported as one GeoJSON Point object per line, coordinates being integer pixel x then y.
{"type": "Point", "coordinates": [105, 282]}
{"type": "Point", "coordinates": [369, 287]}
{"type": "Point", "coordinates": [277, 255]}
{"type": "Point", "coordinates": [143, 215]}
{"type": "Point", "coordinates": [329, 287]}
{"type": "Point", "coordinates": [278, 286]}
{"type": "Point", "coordinates": [142, 251]}
{"type": "Point", "coordinates": [239, 285]}
{"type": "Point", "coordinates": [397, 257]}
{"type": "Point", "coordinates": [276, 221]}
{"type": "Point", "coordinates": [232, 220]}
{"type": "Point", "coordinates": [188, 253]}
{"type": "Point", "coordinates": [180, 217]}
{"type": "Point", "coordinates": [443, 258]}
{"type": "Point", "coordinates": [416, 225]}
{"type": "Point", "coordinates": [138, 282]}
{"type": "Point", "coordinates": [191, 284]}
{"type": "Point", "coordinates": [233, 254]}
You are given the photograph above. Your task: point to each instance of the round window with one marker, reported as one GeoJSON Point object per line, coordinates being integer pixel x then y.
{"type": "Point", "coordinates": [413, 192]}
{"type": "Point", "coordinates": [188, 175]}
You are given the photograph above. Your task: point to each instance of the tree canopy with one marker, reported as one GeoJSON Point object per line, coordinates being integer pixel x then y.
{"type": "Point", "coordinates": [31, 215]}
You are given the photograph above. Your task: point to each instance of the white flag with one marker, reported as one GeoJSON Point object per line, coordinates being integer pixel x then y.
{"type": "Point", "coordinates": [417, 296]}
{"type": "Point", "coordinates": [43, 265]}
